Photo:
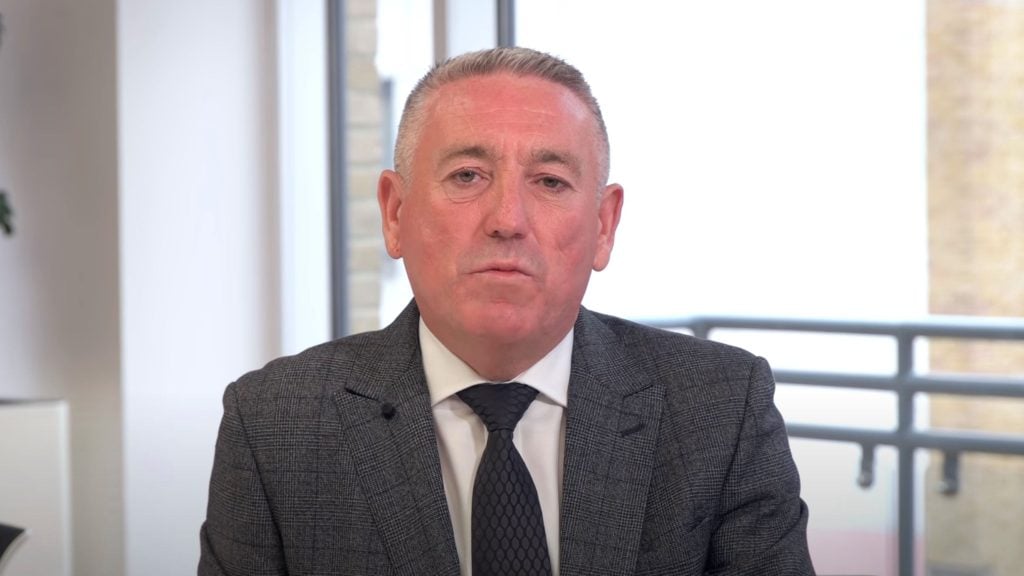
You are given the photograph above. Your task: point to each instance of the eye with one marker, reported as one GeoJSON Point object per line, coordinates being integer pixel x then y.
{"type": "Point", "coordinates": [465, 184]}
{"type": "Point", "coordinates": [466, 176]}
{"type": "Point", "coordinates": [552, 183]}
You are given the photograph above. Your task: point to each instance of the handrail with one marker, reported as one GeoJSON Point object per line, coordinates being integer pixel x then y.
{"type": "Point", "coordinates": [905, 383]}
{"type": "Point", "coordinates": [949, 326]}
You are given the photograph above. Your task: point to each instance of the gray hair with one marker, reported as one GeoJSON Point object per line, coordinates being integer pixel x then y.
{"type": "Point", "coordinates": [515, 60]}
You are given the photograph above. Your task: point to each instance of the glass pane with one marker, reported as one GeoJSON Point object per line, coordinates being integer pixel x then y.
{"type": "Point", "coordinates": [772, 152]}
{"type": "Point", "coordinates": [852, 529]}
{"type": "Point", "coordinates": [773, 165]}
{"type": "Point", "coordinates": [405, 51]}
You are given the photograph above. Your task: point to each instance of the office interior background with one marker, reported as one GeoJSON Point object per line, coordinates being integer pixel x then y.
{"type": "Point", "coordinates": [193, 186]}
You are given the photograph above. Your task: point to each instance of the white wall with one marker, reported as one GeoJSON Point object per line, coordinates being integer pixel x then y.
{"type": "Point", "coordinates": [139, 141]}
{"type": "Point", "coordinates": [199, 254]}
{"type": "Point", "coordinates": [59, 334]}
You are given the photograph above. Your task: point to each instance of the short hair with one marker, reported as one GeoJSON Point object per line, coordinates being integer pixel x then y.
{"type": "Point", "coordinates": [517, 61]}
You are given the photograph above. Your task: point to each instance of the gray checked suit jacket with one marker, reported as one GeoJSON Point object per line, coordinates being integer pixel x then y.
{"type": "Point", "coordinates": [676, 462]}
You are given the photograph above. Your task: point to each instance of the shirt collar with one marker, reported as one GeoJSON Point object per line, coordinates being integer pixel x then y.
{"type": "Point", "coordinates": [447, 374]}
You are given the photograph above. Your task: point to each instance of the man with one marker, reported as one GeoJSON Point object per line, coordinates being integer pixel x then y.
{"type": "Point", "coordinates": [645, 452]}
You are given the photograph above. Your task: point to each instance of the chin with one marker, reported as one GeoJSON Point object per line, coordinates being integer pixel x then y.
{"type": "Point", "coordinates": [502, 322]}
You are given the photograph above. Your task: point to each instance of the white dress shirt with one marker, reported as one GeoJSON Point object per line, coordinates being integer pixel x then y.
{"type": "Point", "coordinates": [461, 436]}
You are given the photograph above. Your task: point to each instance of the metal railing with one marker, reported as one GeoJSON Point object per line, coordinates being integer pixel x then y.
{"type": "Point", "coordinates": [905, 383]}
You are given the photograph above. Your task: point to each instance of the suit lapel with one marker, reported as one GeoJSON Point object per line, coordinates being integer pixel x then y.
{"type": "Point", "coordinates": [385, 411]}
{"type": "Point", "coordinates": [610, 434]}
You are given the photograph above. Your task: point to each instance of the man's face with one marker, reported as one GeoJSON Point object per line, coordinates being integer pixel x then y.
{"type": "Point", "coordinates": [501, 216]}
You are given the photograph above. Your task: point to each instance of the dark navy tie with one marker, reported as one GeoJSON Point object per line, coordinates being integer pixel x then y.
{"type": "Point", "coordinates": [508, 529]}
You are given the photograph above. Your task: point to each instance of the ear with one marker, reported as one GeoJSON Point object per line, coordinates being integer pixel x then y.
{"type": "Point", "coordinates": [389, 198]}
{"type": "Point", "coordinates": [609, 209]}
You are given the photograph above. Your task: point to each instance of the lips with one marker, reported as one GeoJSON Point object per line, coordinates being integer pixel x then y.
{"type": "Point", "coordinates": [503, 268]}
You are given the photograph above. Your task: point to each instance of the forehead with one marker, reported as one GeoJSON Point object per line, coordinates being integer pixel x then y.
{"type": "Point", "coordinates": [496, 90]}
{"type": "Point", "coordinates": [505, 106]}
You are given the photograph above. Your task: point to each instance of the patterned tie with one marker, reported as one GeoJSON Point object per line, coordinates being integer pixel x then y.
{"type": "Point", "coordinates": [508, 529]}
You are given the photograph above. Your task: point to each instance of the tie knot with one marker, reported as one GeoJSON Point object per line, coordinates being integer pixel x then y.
{"type": "Point", "coordinates": [499, 406]}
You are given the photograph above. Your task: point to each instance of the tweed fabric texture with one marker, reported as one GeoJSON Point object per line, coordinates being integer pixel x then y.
{"type": "Point", "coordinates": [676, 463]}
{"type": "Point", "coordinates": [507, 525]}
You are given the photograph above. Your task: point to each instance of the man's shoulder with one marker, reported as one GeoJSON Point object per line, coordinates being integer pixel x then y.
{"type": "Point", "coordinates": [309, 367]}
{"type": "Point", "coordinates": [325, 367]}
{"type": "Point", "coordinates": [633, 335]}
{"type": "Point", "coordinates": [665, 353]}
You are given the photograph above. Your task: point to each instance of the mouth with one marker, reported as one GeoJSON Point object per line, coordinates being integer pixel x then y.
{"type": "Point", "coordinates": [503, 269]}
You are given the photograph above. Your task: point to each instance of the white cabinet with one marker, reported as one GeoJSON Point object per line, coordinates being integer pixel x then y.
{"type": "Point", "coordinates": [34, 486]}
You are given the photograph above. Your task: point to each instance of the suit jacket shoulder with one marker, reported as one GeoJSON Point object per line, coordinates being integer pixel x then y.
{"type": "Point", "coordinates": [694, 426]}
{"type": "Point", "coordinates": [359, 357]}
{"type": "Point", "coordinates": [663, 350]}
{"type": "Point", "coordinates": [326, 462]}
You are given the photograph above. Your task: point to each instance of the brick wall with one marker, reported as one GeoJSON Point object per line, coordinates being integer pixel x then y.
{"type": "Point", "coordinates": [365, 154]}
{"type": "Point", "coordinates": [976, 265]}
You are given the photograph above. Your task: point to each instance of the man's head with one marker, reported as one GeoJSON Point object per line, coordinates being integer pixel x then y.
{"type": "Point", "coordinates": [516, 61]}
{"type": "Point", "coordinates": [499, 206]}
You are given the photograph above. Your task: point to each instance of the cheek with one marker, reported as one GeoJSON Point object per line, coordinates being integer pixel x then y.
{"type": "Point", "coordinates": [434, 239]}
{"type": "Point", "coordinates": [420, 224]}
{"type": "Point", "coordinates": [573, 243]}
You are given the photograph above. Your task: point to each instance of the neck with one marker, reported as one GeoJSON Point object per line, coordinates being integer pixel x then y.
{"type": "Point", "coordinates": [502, 361]}
{"type": "Point", "coordinates": [499, 361]}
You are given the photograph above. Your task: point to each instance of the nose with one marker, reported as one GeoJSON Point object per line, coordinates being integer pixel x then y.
{"type": "Point", "coordinates": [506, 213]}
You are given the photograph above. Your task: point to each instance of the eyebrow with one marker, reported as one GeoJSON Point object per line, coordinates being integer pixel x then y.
{"type": "Point", "coordinates": [538, 156]}
{"type": "Point", "coordinates": [567, 159]}
{"type": "Point", "coordinates": [478, 152]}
